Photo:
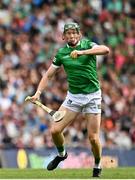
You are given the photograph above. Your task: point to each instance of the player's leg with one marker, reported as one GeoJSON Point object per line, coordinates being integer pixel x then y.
{"type": "Point", "coordinates": [93, 127]}
{"type": "Point", "coordinates": [92, 112]}
{"type": "Point", "coordinates": [58, 127]}
{"type": "Point", "coordinates": [58, 138]}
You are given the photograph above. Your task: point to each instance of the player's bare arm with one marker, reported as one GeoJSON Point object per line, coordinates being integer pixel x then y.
{"type": "Point", "coordinates": [44, 82]}
{"type": "Point", "coordinates": [96, 50]}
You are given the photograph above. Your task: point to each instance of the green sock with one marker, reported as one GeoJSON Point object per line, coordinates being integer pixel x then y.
{"type": "Point", "coordinates": [61, 150]}
{"type": "Point", "coordinates": [97, 162]}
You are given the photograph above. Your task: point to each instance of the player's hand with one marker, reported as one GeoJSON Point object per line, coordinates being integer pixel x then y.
{"type": "Point", "coordinates": [74, 54]}
{"type": "Point", "coordinates": [33, 98]}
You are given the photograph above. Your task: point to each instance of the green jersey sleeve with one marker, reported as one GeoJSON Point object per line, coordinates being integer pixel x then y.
{"type": "Point", "coordinates": [57, 60]}
{"type": "Point", "coordinates": [91, 44]}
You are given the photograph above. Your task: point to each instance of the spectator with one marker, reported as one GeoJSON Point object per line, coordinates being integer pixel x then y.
{"type": "Point", "coordinates": [29, 34]}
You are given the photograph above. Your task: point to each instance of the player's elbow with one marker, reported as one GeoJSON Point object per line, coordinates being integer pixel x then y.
{"type": "Point", "coordinates": [106, 49]}
{"type": "Point", "coordinates": [49, 76]}
{"type": "Point", "coordinates": [102, 50]}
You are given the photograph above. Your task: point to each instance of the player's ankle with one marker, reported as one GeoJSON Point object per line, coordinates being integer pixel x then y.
{"type": "Point", "coordinates": [97, 163]}
{"type": "Point", "coordinates": [63, 153]}
{"type": "Point", "coordinates": [97, 166]}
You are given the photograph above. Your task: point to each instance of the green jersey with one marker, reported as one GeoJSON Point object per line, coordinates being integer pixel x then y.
{"type": "Point", "coordinates": [81, 71]}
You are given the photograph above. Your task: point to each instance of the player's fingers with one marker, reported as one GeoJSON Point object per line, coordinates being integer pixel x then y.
{"type": "Point", "coordinates": [32, 99]}
{"type": "Point", "coordinates": [73, 54]}
{"type": "Point", "coordinates": [27, 98]}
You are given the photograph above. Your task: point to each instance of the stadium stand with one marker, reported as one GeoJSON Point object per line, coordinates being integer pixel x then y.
{"type": "Point", "coordinates": [30, 34]}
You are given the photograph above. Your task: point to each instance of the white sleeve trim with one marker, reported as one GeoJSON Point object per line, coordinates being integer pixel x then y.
{"type": "Point", "coordinates": [94, 44]}
{"type": "Point", "coordinates": [55, 66]}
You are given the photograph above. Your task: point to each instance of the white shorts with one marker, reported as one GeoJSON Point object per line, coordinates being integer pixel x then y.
{"type": "Point", "coordinates": [85, 103]}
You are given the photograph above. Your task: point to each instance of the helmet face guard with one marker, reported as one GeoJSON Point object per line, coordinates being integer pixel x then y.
{"type": "Point", "coordinates": [71, 25]}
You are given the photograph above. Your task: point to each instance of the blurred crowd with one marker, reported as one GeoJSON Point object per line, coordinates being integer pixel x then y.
{"type": "Point", "coordinates": [30, 35]}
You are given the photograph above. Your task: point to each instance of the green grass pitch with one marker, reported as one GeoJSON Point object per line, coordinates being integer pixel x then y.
{"type": "Point", "coordinates": [115, 173]}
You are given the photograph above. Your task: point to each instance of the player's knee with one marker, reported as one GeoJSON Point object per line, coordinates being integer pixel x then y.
{"type": "Point", "coordinates": [93, 139]}
{"type": "Point", "coordinates": [55, 130]}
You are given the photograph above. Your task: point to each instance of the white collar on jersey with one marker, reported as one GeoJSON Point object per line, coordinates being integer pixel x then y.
{"type": "Point", "coordinates": [76, 45]}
